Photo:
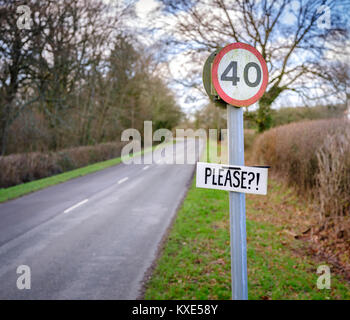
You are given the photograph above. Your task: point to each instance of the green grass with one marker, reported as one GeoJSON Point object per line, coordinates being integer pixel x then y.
{"type": "Point", "coordinates": [28, 187]}
{"type": "Point", "coordinates": [195, 263]}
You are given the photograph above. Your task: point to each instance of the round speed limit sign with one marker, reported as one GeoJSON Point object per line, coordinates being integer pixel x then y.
{"type": "Point", "coordinates": [239, 74]}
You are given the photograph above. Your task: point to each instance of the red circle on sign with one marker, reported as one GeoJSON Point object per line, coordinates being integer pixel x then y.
{"type": "Point", "coordinates": [217, 86]}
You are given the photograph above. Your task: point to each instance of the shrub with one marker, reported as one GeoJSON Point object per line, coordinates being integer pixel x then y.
{"type": "Point", "coordinates": [334, 178]}
{"type": "Point", "coordinates": [291, 149]}
{"type": "Point", "coordinates": [314, 157]}
{"type": "Point", "coordinates": [20, 168]}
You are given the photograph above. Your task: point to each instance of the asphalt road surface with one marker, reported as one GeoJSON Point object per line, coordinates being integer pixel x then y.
{"type": "Point", "coordinates": [95, 236]}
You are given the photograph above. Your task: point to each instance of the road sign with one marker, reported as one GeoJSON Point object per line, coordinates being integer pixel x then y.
{"type": "Point", "coordinates": [208, 84]}
{"type": "Point", "coordinates": [239, 74]}
{"type": "Point", "coordinates": [232, 178]}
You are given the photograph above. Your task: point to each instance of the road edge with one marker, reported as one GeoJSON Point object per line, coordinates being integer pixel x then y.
{"type": "Point", "coordinates": [161, 245]}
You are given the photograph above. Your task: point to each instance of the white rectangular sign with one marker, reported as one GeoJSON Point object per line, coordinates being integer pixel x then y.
{"type": "Point", "coordinates": [232, 178]}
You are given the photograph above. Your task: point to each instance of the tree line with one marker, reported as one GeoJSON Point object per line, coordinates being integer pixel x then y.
{"type": "Point", "coordinates": [75, 76]}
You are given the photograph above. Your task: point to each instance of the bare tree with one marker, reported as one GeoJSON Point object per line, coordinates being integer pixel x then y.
{"type": "Point", "coordinates": [17, 66]}
{"type": "Point", "coordinates": [77, 36]}
{"type": "Point", "coordinates": [81, 72]}
{"type": "Point", "coordinates": [291, 36]}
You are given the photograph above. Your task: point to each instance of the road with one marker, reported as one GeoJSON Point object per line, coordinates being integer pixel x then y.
{"type": "Point", "coordinates": [92, 237]}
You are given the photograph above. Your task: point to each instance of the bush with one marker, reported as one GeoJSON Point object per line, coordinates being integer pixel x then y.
{"type": "Point", "coordinates": [334, 177]}
{"type": "Point", "coordinates": [291, 149]}
{"type": "Point", "coordinates": [20, 168]}
{"type": "Point", "coordinates": [314, 157]}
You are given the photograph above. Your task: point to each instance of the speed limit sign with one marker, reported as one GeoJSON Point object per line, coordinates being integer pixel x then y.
{"type": "Point", "coordinates": [239, 74]}
{"type": "Point", "coordinates": [235, 76]}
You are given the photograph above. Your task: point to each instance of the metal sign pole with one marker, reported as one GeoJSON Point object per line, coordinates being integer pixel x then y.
{"type": "Point", "coordinates": [239, 276]}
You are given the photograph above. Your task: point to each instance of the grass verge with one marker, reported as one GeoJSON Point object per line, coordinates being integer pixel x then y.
{"type": "Point", "coordinates": [28, 187]}
{"type": "Point", "coordinates": [195, 263]}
